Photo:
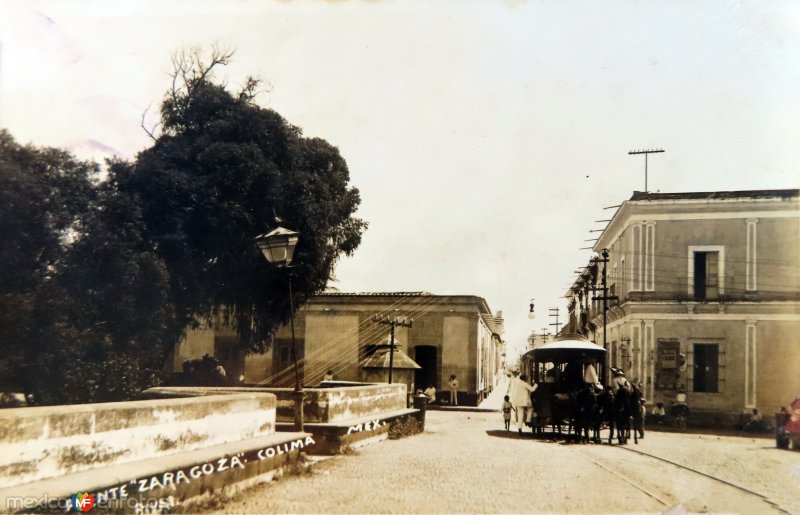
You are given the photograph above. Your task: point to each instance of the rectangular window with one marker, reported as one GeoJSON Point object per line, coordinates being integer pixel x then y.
{"type": "Point", "coordinates": [706, 275]}
{"type": "Point", "coordinates": [706, 367]}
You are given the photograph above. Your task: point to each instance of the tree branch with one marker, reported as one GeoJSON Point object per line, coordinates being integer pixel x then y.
{"type": "Point", "coordinates": [150, 132]}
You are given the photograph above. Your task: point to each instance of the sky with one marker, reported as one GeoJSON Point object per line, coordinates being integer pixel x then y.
{"type": "Point", "coordinates": [486, 137]}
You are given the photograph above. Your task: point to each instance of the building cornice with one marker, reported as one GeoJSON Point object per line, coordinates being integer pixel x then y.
{"type": "Point", "coordinates": [644, 211]}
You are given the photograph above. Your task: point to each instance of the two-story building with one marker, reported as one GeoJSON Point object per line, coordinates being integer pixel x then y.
{"type": "Point", "coordinates": [707, 288]}
{"type": "Point", "coordinates": [449, 334]}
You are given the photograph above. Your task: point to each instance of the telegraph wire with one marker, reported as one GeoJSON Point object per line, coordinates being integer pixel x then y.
{"type": "Point", "coordinates": [372, 332]}
{"type": "Point", "coordinates": [337, 341]}
{"type": "Point", "coordinates": [334, 346]}
{"type": "Point", "coordinates": [342, 336]}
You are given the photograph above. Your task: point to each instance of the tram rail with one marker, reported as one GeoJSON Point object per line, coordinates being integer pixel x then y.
{"type": "Point", "coordinates": [657, 497]}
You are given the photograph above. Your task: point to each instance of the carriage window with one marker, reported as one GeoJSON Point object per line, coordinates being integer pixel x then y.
{"type": "Point", "coordinates": [706, 367]}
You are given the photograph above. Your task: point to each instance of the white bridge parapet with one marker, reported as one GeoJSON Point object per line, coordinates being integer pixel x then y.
{"type": "Point", "coordinates": [52, 441]}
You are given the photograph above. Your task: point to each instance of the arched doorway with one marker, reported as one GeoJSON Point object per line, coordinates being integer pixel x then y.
{"type": "Point", "coordinates": [425, 356]}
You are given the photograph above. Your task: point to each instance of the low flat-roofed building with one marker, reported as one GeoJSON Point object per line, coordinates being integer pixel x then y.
{"type": "Point", "coordinates": [450, 334]}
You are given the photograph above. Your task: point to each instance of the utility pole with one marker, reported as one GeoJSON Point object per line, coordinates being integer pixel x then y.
{"type": "Point", "coordinates": [554, 313]}
{"type": "Point", "coordinates": [606, 297]}
{"type": "Point", "coordinates": [646, 152]}
{"type": "Point", "coordinates": [392, 322]}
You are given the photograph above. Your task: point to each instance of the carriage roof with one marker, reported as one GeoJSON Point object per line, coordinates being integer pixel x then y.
{"type": "Point", "coordinates": [566, 348]}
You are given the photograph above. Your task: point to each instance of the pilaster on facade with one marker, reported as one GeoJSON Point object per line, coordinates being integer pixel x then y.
{"type": "Point", "coordinates": [648, 378]}
{"type": "Point", "coordinates": [750, 364]}
{"type": "Point", "coordinates": [635, 347]}
{"type": "Point", "coordinates": [637, 255]}
{"type": "Point", "coordinates": [751, 275]}
{"type": "Point", "coordinates": [649, 258]}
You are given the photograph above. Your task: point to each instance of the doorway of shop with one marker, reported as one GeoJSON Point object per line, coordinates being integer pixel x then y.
{"type": "Point", "coordinates": [425, 356]}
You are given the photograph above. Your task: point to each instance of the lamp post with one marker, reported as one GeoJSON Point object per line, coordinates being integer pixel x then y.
{"type": "Point", "coordinates": [278, 247]}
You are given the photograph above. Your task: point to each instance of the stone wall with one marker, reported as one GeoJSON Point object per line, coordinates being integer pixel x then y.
{"type": "Point", "coordinates": [54, 441]}
{"type": "Point", "coordinates": [321, 405]}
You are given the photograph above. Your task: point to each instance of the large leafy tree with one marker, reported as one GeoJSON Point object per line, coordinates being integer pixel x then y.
{"type": "Point", "coordinates": [220, 172]}
{"type": "Point", "coordinates": [44, 193]}
{"type": "Point", "coordinates": [84, 314]}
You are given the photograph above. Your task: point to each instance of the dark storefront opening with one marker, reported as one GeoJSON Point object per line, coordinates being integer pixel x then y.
{"type": "Point", "coordinates": [425, 356]}
{"type": "Point", "coordinates": [706, 367]}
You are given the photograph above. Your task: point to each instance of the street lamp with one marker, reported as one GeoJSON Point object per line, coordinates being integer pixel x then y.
{"type": "Point", "coordinates": [278, 247]}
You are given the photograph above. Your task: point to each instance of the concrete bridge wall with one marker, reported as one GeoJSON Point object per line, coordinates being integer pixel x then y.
{"type": "Point", "coordinates": [53, 441]}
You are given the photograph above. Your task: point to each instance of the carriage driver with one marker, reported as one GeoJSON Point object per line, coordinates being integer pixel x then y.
{"type": "Point", "coordinates": [619, 380]}
{"type": "Point", "coordinates": [590, 375]}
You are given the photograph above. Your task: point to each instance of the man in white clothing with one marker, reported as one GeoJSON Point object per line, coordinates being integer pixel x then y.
{"type": "Point", "coordinates": [590, 375]}
{"type": "Point", "coordinates": [520, 393]}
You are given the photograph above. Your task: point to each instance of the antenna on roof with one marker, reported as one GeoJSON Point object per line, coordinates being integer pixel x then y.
{"type": "Point", "coordinates": [646, 152]}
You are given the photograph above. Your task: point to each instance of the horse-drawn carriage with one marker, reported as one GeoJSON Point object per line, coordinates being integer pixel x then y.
{"type": "Point", "coordinates": [569, 373]}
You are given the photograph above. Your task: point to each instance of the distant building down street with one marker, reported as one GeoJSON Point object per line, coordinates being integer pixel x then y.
{"type": "Point", "coordinates": [338, 333]}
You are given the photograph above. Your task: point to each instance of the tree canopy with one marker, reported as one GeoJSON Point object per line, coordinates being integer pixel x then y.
{"type": "Point", "coordinates": [221, 171]}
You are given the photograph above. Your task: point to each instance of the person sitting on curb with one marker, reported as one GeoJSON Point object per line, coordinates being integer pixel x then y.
{"type": "Point", "coordinates": [430, 392]}
{"type": "Point", "coordinates": [659, 413]}
{"type": "Point", "coordinates": [756, 423]}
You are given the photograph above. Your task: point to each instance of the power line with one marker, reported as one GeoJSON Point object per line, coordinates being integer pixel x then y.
{"type": "Point", "coordinates": [341, 342]}
{"type": "Point", "coordinates": [340, 339]}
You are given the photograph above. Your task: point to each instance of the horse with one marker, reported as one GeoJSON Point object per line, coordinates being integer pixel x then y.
{"type": "Point", "coordinates": [563, 410]}
{"type": "Point", "coordinates": [605, 412]}
{"type": "Point", "coordinates": [627, 413]}
{"type": "Point", "coordinates": [586, 414]}
{"type": "Point", "coordinates": [621, 415]}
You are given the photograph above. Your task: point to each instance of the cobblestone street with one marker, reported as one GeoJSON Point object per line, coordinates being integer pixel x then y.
{"type": "Point", "coordinates": [466, 463]}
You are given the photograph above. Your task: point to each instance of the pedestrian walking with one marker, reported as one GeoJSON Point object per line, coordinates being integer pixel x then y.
{"type": "Point", "coordinates": [453, 390]}
{"type": "Point", "coordinates": [520, 396]}
{"type": "Point", "coordinates": [507, 407]}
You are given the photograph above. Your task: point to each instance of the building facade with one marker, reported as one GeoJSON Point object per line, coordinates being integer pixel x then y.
{"type": "Point", "coordinates": [449, 334]}
{"type": "Point", "coordinates": [703, 291]}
